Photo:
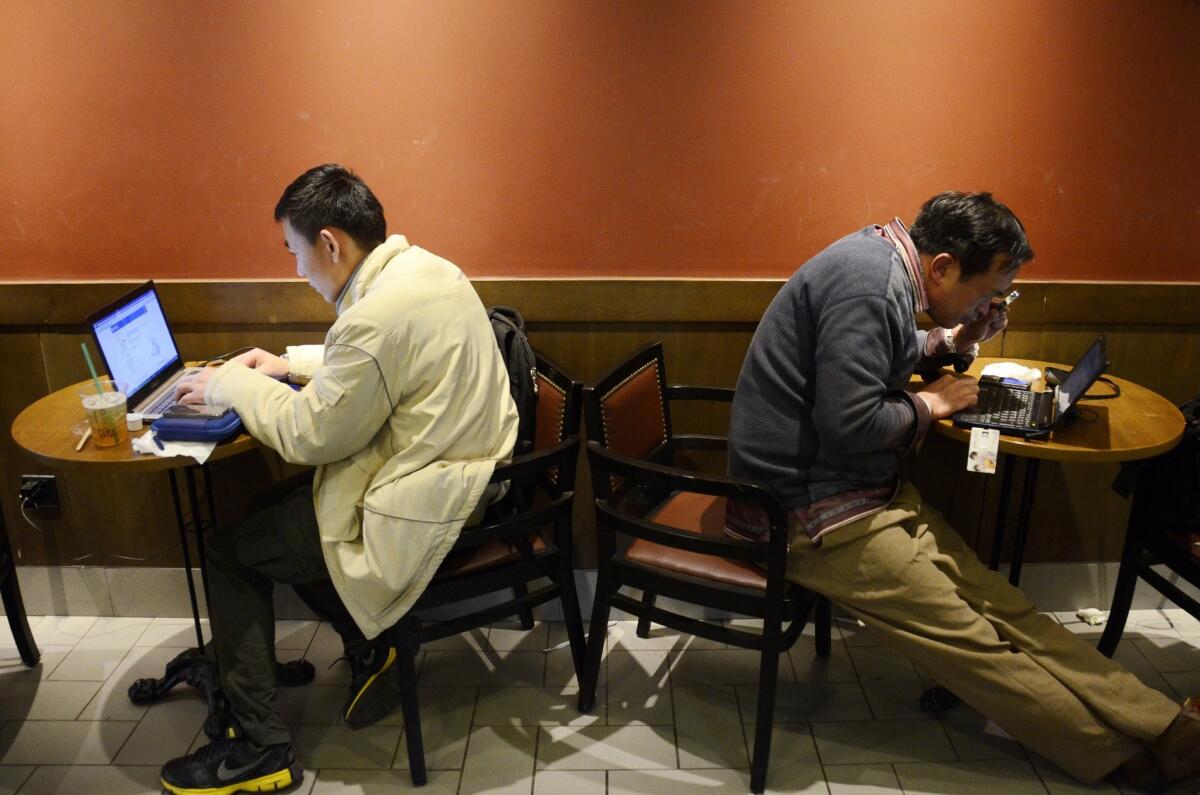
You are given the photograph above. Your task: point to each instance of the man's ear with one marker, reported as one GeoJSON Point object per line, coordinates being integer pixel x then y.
{"type": "Point", "coordinates": [328, 242]}
{"type": "Point", "coordinates": [942, 267]}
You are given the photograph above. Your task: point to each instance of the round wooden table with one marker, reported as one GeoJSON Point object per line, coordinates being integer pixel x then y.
{"type": "Point", "coordinates": [46, 430]}
{"type": "Point", "coordinates": [1136, 424]}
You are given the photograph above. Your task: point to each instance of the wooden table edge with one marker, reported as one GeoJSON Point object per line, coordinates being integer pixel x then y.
{"type": "Point", "coordinates": [62, 455]}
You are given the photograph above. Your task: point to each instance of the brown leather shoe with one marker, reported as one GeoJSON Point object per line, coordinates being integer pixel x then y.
{"type": "Point", "coordinates": [1177, 750]}
{"type": "Point", "coordinates": [1141, 773]}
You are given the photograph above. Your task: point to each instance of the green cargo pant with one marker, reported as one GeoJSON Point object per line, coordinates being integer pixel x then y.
{"type": "Point", "coordinates": [277, 542]}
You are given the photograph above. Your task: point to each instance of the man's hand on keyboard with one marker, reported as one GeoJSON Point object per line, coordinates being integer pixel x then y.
{"type": "Point", "coordinates": [189, 390]}
{"type": "Point", "coordinates": [264, 362]}
{"type": "Point", "coordinates": [949, 394]}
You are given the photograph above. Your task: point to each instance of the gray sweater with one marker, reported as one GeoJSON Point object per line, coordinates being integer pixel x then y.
{"type": "Point", "coordinates": [820, 407]}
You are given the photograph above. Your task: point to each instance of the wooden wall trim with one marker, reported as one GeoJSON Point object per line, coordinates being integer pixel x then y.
{"type": "Point", "coordinates": [292, 301]}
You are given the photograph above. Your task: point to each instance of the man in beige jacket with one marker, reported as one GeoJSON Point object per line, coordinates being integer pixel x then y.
{"type": "Point", "coordinates": [404, 412]}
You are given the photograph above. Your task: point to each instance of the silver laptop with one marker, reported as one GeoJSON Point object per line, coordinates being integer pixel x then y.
{"type": "Point", "coordinates": [139, 352]}
{"type": "Point", "coordinates": [1017, 411]}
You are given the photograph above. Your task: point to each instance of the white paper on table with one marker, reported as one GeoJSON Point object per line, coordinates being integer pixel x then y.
{"type": "Point", "coordinates": [146, 445]}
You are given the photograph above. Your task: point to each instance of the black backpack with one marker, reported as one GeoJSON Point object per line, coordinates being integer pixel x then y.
{"type": "Point", "coordinates": [514, 346]}
{"type": "Point", "coordinates": [1171, 483]}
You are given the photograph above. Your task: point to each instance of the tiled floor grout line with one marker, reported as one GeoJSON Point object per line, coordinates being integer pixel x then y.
{"type": "Point", "coordinates": [1157, 646]}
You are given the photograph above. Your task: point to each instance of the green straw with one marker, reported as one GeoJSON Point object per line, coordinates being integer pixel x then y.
{"type": "Point", "coordinates": [91, 368]}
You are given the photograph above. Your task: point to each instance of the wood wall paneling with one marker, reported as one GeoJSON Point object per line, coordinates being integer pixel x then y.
{"type": "Point", "coordinates": [587, 326]}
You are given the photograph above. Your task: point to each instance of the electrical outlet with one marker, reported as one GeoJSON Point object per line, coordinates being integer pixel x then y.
{"type": "Point", "coordinates": [39, 491]}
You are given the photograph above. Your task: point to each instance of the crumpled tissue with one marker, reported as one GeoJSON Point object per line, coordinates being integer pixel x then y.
{"type": "Point", "coordinates": [1030, 375]}
{"type": "Point", "coordinates": [146, 445]}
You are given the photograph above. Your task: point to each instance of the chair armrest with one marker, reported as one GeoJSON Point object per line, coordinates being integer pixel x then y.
{"type": "Point", "coordinates": [562, 454]}
{"type": "Point", "coordinates": [695, 441]}
{"type": "Point", "coordinates": [671, 478]}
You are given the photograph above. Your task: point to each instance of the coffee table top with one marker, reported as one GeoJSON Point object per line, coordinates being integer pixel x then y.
{"type": "Point", "coordinates": [1138, 424]}
{"type": "Point", "coordinates": [45, 430]}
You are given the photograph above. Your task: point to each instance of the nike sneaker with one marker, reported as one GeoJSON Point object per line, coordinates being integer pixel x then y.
{"type": "Point", "coordinates": [374, 684]}
{"type": "Point", "coordinates": [233, 764]}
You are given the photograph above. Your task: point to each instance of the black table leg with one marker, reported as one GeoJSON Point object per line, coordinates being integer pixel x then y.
{"type": "Point", "coordinates": [1021, 526]}
{"type": "Point", "coordinates": [183, 525]}
{"type": "Point", "coordinates": [1002, 512]}
{"type": "Point", "coordinates": [191, 666]}
{"type": "Point", "coordinates": [1028, 489]}
{"type": "Point", "coordinates": [196, 666]}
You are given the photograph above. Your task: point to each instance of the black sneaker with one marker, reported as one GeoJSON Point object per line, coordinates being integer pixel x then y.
{"type": "Point", "coordinates": [374, 685]}
{"type": "Point", "coordinates": [232, 764]}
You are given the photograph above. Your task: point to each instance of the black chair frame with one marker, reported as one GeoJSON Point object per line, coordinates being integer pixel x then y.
{"type": "Point", "coordinates": [616, 478]}
{"type": "Point", "coordinates": [14, 605]}
{"type": "Point", "coordinates": [553, 471]}
{"type": "Point", "coordinates": [1147, 545]}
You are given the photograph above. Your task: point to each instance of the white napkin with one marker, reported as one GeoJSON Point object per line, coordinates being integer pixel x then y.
{"type": "Point", "coordinates": [146, 445]}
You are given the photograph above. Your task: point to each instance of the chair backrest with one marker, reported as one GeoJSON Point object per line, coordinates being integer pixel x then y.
{"type": "Point", "coordinates": [559, 404]}
{"type": "Point", "coordinates": [550, 465]}
{"type": "Point", "coordinates": [627, 409]}
{"type": "Point", "coordinates": [630, 453]}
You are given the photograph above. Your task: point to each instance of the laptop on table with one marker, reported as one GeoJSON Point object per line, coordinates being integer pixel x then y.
{"type": "Point", "coordinates": [139, 352]}
{"type": "Point", "coordinates": [1018, 411]}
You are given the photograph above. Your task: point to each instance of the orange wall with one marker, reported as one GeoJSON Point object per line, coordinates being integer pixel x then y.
{"type": "Point", "coordinates": [147, 138]}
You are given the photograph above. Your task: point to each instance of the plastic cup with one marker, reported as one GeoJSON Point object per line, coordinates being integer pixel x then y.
{"type": "Point", "coordinates": [105, 413]}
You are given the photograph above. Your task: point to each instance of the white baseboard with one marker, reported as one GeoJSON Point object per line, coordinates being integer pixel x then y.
{"type": "Point", "coordinates": [162, 592]}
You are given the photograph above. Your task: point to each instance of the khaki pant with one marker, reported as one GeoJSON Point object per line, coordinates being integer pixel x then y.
{"type": "Point", "coordinates": [906, 574]}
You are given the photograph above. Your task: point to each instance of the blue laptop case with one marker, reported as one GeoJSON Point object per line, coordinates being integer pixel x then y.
{"type": "Point", "coordinates": [197, 429]}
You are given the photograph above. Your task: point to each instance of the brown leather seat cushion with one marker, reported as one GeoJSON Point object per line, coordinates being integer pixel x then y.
{"type": "Point", "coordinates": [485, 556]}
{"type": "Point", "coordinates": [705, 515]}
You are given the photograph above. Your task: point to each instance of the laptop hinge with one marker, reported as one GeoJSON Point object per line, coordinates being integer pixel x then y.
{"type": "Point", "coordinates": [1049, 408]}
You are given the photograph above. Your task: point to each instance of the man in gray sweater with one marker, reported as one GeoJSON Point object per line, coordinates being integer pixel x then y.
{"type": "Point", "coordinates": [823, 414]}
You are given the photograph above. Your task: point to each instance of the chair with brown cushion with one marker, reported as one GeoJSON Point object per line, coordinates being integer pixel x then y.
{"type": "Point", "coordinates": [1163, 528]}
{"type": "Point", "coordinates": [660, 529]}
{"type": "Point", "coordinates": [14, 606]}
{"type": "Point", "coordinates": [516, 547]}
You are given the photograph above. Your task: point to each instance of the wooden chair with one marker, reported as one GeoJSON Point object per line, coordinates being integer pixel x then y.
{"type": "Point", "coordinates": [14, 606]}
{"type": "Point", "coordinates": [677, 547]}
{"type": "Point", "coordinates": [516, 546]}
{"type": "Point", "coordinates": [1156, 533]}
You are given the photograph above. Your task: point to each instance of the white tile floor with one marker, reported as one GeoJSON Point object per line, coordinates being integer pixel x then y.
{"type": "Point", "coordinates": [674, 715]}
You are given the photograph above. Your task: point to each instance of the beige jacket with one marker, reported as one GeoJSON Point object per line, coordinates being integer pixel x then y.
{"type": "Point", "coordinates": [405, 412]}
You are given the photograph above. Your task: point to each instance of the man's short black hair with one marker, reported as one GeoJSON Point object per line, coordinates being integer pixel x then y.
{"type": "Point", "coordinates": [974, 227]}
{"type": "Point", "coordinates": [333, 196]}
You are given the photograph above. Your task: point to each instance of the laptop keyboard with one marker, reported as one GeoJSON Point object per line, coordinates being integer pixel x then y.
{"type": "Point", "coordinates": [167, 399]}
{"type": "Point", "coordinates": [1006, 406]}
{"type": "Point", "coordinates": [164, 402]}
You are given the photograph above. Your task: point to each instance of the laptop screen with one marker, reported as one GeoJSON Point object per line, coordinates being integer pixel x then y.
{"type": "Point", "coordinates": [1085, 373]}
{"type": "Point", "coordinates": [134, 339]}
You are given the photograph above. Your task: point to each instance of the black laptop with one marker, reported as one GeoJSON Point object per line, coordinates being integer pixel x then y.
{"type": "Point", "coordinates": [1018, 411]}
